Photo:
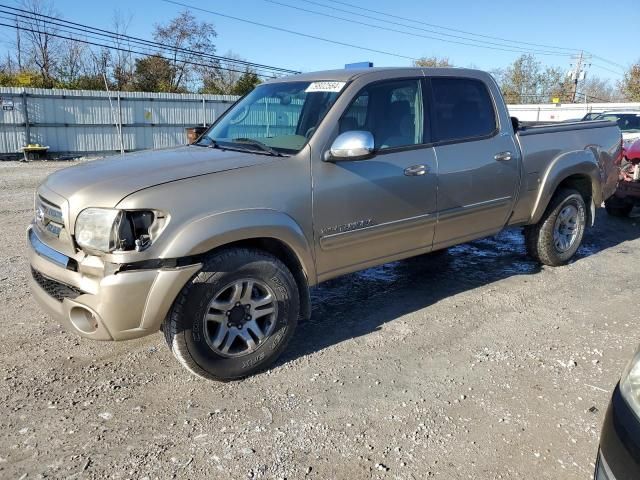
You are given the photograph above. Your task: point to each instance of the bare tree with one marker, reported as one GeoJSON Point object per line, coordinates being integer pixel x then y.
{"type": "Point", "coordinates": [222, 78]}
{"type": "Point", "coordinates": [183, 37]}
{"type": "Point", "coordinates": [595, 89]}
{"type": "Point", "coordinates": [40, 44]}
{"type": "Point", "coordinates": [123, 64]}
{"type": "Point", "coordinates": [71, 65]}
{"type": "Point", "coordinates": [96, 69]}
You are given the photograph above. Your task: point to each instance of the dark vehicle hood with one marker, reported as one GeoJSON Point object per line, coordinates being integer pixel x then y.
{"type": "Point", "coordinates": [105, 182]}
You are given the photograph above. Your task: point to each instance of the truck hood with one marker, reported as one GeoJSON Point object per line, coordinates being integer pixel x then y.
{"type": "Point", "coordinates": [105, 182]}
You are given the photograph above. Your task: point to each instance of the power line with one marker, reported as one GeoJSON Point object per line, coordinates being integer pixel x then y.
{"type": "Point", "coordinates": [21, 25]}
{"type": "Point", "coordinates": [419, 22]}
{"type": "Point", "coordinates": [404, 32]}
{"type": "Point", "coordinates": [619, 74]}
{"type": "Point", "coordinates": [514, 48]}
{"type": "Point", "coordinates": [31, 16]}
{"type": "Point", "coordinates": [120, 37]}
{"type": "Point", "coordinates": [610, 62]}
{"type": "Point", "coordinates": [293, 32]}
{"type": "Point", "coordinates": [112, 47]}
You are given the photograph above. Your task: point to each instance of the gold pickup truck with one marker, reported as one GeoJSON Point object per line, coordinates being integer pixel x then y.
{"type": "Point", "coordinates": [304, 179]}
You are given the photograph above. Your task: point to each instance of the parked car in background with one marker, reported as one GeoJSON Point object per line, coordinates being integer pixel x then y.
{"type": "Point", "coordinates": [304, 179]}
{"type": "Point", "coordinates": [628, 122]}
{"type": "Point", "coordinates": [627, 193]}
{"type": "Point", "coordinates": [590, 116]}
{"type": "Point", "coordinates": [619, 452]}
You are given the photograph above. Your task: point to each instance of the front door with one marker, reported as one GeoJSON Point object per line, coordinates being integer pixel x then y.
{"type": "Point", "coordinates": [478, 164]}
{"type": "Point", "coordinates": [370, 211]}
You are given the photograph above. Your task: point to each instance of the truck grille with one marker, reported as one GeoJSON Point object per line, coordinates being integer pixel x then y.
{"type": "Point", "coordinates": [49, 216]}
{"type": "Point", "coordinates": [55, 289]}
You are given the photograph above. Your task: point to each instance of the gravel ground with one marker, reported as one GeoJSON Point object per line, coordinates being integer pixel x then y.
{"type": "Point", "coordinates": [477, 364]}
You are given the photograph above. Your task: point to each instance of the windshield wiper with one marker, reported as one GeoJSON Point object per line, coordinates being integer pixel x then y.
{"type": "Point", "coordinates": [211, 143]}
{"type": "Point", "coordinates": [256, 143]}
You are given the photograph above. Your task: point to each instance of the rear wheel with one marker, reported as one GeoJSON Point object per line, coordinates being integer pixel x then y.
{"type": "Point", "coordinates": [558, 235]}
{"type": "Point", "coordinates": [235, 317]}
{"type": "Point", "coordinates": [617, 207]}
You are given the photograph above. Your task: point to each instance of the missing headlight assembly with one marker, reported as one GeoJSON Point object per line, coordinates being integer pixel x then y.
{"type": "Point", "coordinates": [103, 230]}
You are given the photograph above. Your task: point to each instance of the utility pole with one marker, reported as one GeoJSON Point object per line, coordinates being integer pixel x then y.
{"type": "Point", "coordinates": [18, 46]}
{"type": "Point", "coordinates": [579, 71]}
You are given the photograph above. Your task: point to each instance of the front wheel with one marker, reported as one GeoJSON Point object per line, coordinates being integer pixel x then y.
{"type": "Point", "coordinates": [558, 235]}
{"type": "Point", "coordinates": [235, 317]}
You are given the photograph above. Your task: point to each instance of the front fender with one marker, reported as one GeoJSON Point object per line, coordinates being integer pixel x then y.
{"type": "Point", "coordinates": [212, 231]}
{"type": "Point", "coordinates": [582, 163]}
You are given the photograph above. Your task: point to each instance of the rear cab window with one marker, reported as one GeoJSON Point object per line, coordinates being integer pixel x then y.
{"type": "Point", "coordinates": [461, 109]}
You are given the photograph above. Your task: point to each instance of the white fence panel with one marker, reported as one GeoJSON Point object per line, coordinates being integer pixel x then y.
{"type": "Point", "coordinates": [550, 112]}
{"type": "Point", "coordinates": [82, 121]}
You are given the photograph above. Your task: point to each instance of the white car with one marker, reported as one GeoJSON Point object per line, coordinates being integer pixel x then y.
{"type": "Point", "coordinates": [628, 121]}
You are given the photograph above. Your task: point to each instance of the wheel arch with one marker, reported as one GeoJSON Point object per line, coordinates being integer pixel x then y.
{"type": "Point", "coordinates": [286, 255]}
{"type": "Point", "coordinates": [267, 230]}
{"type": "Point", "coordinates": [575, 170]}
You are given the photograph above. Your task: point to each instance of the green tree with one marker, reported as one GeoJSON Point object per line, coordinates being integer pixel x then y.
{"type": "Point", "coordinates": [247, 82]}
{"type": "Point", "coordinates": [527, 81]}
{"type": "Point", "coordinates": [433, 62]}
{"type": "Point", "coordinates": [154, 74]}
{"type": "Point", "coordinates": [88, 82]}
{"type": "Point", "coordinates": [630, 84]}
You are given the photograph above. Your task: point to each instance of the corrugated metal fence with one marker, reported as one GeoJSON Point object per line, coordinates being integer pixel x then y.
{"type": "Point", "coordinates": [83, 121]}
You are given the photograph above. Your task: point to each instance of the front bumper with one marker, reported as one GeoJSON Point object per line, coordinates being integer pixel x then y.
{"type": "Point", "coordinates": [118, 306]}
{"type": "Point", "coordinates": [619, 455]}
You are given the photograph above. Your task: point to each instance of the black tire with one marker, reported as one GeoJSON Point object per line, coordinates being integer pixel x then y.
{"type": "Point", "coordinates": [539, 238]}
{"type": "Point", "coordinates": [617, 207]}
{"type": "Point", "coordinates": [184, 328]}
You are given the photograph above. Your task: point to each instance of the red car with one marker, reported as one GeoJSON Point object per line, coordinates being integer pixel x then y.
{"type": "Point", "coordinates": [628, 192]}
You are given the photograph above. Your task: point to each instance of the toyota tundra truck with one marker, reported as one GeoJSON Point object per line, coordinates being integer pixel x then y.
{"type": "Point", "coordinates": [304, 179]}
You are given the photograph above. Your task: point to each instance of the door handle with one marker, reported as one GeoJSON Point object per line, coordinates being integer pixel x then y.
{"type": "Point", "coordinates": [503, 156]}
{"type": "Point", "coordinates": [415, 170]}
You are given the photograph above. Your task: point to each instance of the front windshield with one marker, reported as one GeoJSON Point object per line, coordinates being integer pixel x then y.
{"type": "Point", "coordinates": [626, 122]}
{"type": "Point", "coordinates": [275, 117]}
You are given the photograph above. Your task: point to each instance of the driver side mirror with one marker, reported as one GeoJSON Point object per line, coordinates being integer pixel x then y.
{"type": "Point", "coordinates": [351, 145]}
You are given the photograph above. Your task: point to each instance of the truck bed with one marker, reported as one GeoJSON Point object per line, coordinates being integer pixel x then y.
{"type": "Point", "coordinates": [546, 147]}
{"type": "Point", "coordinates": [541, 128]}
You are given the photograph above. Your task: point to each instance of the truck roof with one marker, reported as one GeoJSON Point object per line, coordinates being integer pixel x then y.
{"type": "Point", "coordinates": [346, 75]}
{"type": "Point", "coordinates": [620, 112]}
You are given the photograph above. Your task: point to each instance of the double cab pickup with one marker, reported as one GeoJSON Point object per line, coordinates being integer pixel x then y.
{"type": "Point", "coordinates": [304, 179]}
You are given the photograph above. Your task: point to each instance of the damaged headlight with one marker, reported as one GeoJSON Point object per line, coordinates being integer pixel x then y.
{"type": "Point", "coordinates": [630, 383]}
{"type": "Point", "coordinates": [106, 230]}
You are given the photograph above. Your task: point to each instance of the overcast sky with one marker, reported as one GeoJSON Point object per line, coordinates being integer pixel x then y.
{"type": "Point", "coordinates": [604, 28]}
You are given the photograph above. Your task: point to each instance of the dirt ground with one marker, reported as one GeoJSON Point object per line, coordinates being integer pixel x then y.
{"type": "Point", "coordinates": [478, 364]}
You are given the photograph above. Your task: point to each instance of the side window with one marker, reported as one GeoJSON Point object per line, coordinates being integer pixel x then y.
{"type": "Point", "coordinates": [462, 109]}
{"type": "Point", "coordinates": [391, 111]}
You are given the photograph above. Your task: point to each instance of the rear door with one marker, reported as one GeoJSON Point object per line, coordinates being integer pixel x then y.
{"type": "Point", "coordinates": [478, 162]}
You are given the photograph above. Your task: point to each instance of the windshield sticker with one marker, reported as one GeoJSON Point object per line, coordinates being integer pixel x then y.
{"type": "Point", "coordinates": [325, 87]}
